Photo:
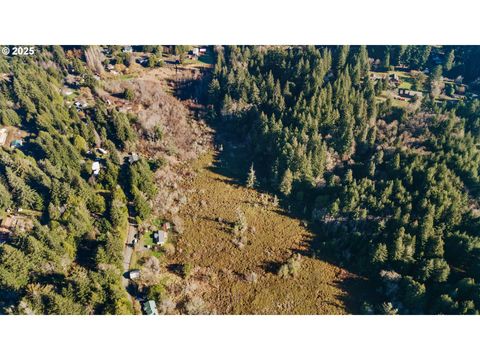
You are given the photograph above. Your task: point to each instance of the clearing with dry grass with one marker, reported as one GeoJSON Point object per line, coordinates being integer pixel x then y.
{"type": "Point", "coordinates": [243, 280]}
{"type": "Point", "coordinates": [236, 251]}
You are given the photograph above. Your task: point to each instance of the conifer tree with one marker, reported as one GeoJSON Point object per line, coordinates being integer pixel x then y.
{"type": "Point", "coordinates": [286, 183]}
{"type": "Point", "coordinates": [251, 179]}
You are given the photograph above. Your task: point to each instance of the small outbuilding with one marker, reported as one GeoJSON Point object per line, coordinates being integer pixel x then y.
{"type": "Point", "coordinates": [96, 168]}
{"type": "Point", "coordinates": [134, 274]}
{"type": "Point", "coordinates": [133, 157]}
{"type": "Point", "coordinates": [150, 308]}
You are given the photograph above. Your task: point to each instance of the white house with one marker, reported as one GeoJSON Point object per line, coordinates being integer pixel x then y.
{"type": "Point", "coordinates": [96, 168]}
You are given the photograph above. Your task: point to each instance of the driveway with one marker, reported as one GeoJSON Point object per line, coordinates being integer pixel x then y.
{"type": "Point", "coordinates": [127, 256]}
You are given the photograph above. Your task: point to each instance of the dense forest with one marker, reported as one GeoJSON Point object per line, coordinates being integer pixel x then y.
{"type": "Point", "coordinates": [388, 184]}
{"type": "Point", "coordinates": [392, 192]}
{"type": "Point", "coordinates": [69, 259]}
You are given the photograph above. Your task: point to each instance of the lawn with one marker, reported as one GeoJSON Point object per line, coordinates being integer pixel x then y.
{"type": "Point", "coordinates": [148, 238]}
{"type": "Point", "coordinates": [206, 60]}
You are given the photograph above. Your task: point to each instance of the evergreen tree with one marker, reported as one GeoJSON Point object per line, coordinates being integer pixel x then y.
{"type": "Point", "coordinates": [449, 59]}
{"type": "Point", "coordinates": [286, 183]}
{"type": "Point", "coordinates": [251, 179]}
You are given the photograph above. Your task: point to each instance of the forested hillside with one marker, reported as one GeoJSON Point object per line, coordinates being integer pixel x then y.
{"type": "Point", "coordinates": [65, 254]}
{"type": "Point", "coordinates": [391, 191]}
{"type": "Point", "coordinates": [368, 156]}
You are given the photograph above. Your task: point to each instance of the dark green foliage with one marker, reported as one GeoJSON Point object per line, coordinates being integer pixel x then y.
{"type": "Point", "coordinates": [43, 270]}
{"type": "Point", "coordinates": [384, 206]}
{"type": "Point", "coordinates": [128, 94]}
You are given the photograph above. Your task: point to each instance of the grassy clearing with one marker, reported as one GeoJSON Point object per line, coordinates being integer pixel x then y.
{"type": "Point", "coordinates": [207, 244]}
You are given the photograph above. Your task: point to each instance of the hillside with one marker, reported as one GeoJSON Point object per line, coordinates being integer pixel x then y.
{"type": "Point", "coordinates": [233, 279]}
{"type": "Point", "coordinates": [240, 180]}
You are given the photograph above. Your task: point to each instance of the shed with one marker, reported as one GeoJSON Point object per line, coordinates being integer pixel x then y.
{"type": "Point", "coordinates": [203, 50]}
{"type": "Point", "coordinates": [127, 49]}
{"type": "Point", "coordinates": [133, 157]}
{"type": "Point", "coordinates": [195, 51]}
{"type": "Point", "coordinates": [160, 237]}
{"type": "Point", "coordinates": [150, 308]}
{"type": "Point", "coordinates": [96, 168]}
{"type": "Point", "coordinates": [134, 274]}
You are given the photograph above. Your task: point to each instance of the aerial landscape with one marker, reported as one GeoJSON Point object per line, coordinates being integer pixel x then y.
{"type": "Point", "coordinates": [215, 180]}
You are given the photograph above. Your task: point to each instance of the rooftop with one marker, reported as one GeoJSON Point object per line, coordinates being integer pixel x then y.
{"type": "Point", "coordinates": [160, 237]}
{"type": "Point", "coordinates": [150, 307]}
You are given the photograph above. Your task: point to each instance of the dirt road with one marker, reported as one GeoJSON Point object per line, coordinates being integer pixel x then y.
{"type": "Point", "coordinates": [127, 257]}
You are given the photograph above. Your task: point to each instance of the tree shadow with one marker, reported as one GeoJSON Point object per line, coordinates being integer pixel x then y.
{"type": "Point", "coordinates": [176, 269]}
{"type": "Point", "coordinates": [231, 163]}
{"type": "Point", "coordinates": [271, 267]}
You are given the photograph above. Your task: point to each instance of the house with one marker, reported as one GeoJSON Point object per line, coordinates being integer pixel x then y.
{"type": "Point", "coordinates": [96, 168]}
{"type": "Point", "coordinates": [133, 157]}
{"type": "Point", "coordinates": [394, 78]}
{"type": "Point", "coordinates": [160, 237]}
{"type": "Point", "coordinates": [15, 144]}
{"type": "Point", "coordinates": [134, 274]}
{"type": "Point", "coordinates": [150, 308]}
{"type": "Point", "coordinates": [203, 50]}
{"type": "Point", "coordinates": [5, 225]}
{"type": "Point", "coordinates": [3, 136]}
{"type": "Point", "coordinates": [195, 51]}
{"type": "Point", "coordinates": [80, 105]}
{"type": "Point", "coordinates": [110, 67]}
{"type": "Point", "coordinates": [14, 223]}
{"type": "Point", "coordinates": [127, 49]}
{"type": "Point", "coordinates": [410, 93]}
